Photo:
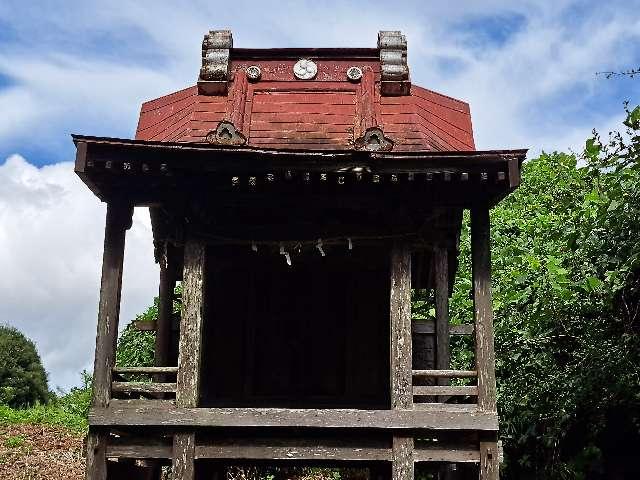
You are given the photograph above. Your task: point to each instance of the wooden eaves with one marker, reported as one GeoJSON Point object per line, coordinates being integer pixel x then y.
{"type": "Point", "coordinates": [145, 171]}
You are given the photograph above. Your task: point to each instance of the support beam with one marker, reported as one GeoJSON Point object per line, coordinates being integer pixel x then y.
{"type": "Point", "coordinates": [190, 354]}
{"type": "Point", "coordinates": [118, 221]}
{"type": "Point", "coordinates": [482, 311]}
{"type": "Point", "coordinates": [184, 446]}
{"type": "Point", "coordinates": [401, 368]}
{"type": "Point", "coordinates": [400, 302]}
{"type": "Point", "coordinates": [96, 468]}
{"type": "Point", "coordinates": [441, 270]}
{"type": "Point", "coordinates": [489, 461]}
{"type": "Point", "coordinates": [402, 466]}
{"type": "Point", "coordinates": [165, 312]}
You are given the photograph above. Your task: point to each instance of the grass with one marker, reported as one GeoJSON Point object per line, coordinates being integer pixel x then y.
{"type": "Point", "coordinates": [54, 414]}
{"type": "Point", "coordinates": [69, 410]}
{"type": "Point", "coordinates": [14, 442]}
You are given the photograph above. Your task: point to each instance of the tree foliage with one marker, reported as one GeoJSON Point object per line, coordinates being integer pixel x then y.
{"type": "Point", "coordinates": [23, 380]}
{"type": "Point", "coordinates": [566, 284]}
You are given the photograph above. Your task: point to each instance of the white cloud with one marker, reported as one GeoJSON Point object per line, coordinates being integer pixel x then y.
{"type": "Point", "coordinates": [51, 234]}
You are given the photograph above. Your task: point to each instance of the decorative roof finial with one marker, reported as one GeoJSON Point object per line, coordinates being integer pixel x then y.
{"type": "Point", "coordinates": [214, 74]}
{"type": "Point", "coordinates": [394, 75]}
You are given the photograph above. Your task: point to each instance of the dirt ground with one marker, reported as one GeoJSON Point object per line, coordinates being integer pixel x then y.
{"type": "Point", "coordinates": [37, 452]}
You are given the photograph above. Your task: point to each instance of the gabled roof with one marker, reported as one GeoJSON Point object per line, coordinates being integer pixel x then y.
{"type": "Point", "coordinates": [356, 99]}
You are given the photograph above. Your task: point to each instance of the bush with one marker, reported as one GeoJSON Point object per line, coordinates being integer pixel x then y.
{"type": "Point", "coordinates": [23, 380]}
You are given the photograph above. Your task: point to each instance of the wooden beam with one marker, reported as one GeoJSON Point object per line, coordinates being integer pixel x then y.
{"type": "Point", "coordinates": [445, 390]}
{"type": "Point", "coordinates": [165, 314]}
{"type": "Point", "coordinates": [118, 220]}
{"type": "Point", "coordinates": [427, 326]}
{"type": "Point", "coordinates": [449, 455]}
{"type": "Point", "coordinates": [482, 310]}
{"type": "Point", "coordinates": [184, 445]}
{"type": "Point", "coordinates": [163, 414]}
{"type": "Point", "coordinates": [441, 294]}
{"type": "Point", "coordinates": [96, 467]}
{"type": "Point", "coordinates": [445, 373]}
{"type": "Point", "coordinates": [190, 355]}
{"type": "Point", "coordinates": [400, 348]}
{"type": "Point", "coordinates": [149, 370]}
{"type": "Point", "coordinates": [401, 355]}
{"type": "Point", "coordinates": [139, 451]}
{"type": "Point", "coordinates": [143, 387]}
{"type": "Point", "coordinates": [489, 461]}
{"type": "Point", "coordinates": [402, 461]}
{"type": "Point", "coordinates": [296, 449]}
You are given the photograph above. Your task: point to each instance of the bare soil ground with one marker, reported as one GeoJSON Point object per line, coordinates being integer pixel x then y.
{"type": "Point", "coordinates": [38, 452]}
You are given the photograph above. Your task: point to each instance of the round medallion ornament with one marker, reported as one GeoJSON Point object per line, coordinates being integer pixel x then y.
{"type": "Point", "coordinates": [254, 73]}
{"type": "Point", "coordinates": [305, 69]}
{"type": "Point", "coordinates": [354, 74]}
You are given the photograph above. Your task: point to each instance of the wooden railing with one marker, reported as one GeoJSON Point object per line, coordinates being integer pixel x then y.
{"type": "Point", "coordinates": [120, 385]}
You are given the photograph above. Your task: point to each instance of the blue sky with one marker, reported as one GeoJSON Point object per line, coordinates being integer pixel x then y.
{"type": "Point", "coordinates": [527, 68]}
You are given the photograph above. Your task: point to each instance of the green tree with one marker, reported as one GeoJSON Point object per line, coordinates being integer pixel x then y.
{"type": "Point", "coordinates": [23, 380]}
{"type": "Point", "coordinates": [566, 283]}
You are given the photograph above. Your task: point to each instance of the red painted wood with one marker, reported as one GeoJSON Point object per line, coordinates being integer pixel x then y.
{"type": "Point", "coordinates": [329, 111]}
{"type": "Point", "coordinates": [329, 70]}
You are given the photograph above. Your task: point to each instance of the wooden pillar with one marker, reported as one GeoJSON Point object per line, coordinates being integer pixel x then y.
{"type": "Point", "coordinates": [118, 221]}
{"type": "Point", "coordinates": [483, 318]}
{"type": "Point", "coordinates": [165, 314]}
{"type": "Point", "coordinates": [189, 358]}
{"type": "Point", "coordinates": [441, 270]}
{"type": "Point", "coordinates": [401, 379]}
{"type": "Point", "coordinates": [482, 311]}
{"type": "Point", "coordinates": [489, 461]}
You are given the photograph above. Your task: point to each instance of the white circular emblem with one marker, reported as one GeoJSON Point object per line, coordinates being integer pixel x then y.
{"type": "Point", "coordinates": [305, 69]}
{"type": "Point", "coordinates": [354, 74]}
{"type": "Point", "coordinates": [254, 72]}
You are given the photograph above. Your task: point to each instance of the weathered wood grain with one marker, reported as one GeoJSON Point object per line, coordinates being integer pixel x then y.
{"type": "Point", "coordinates": [118, 220]}
{"type": "Point", "coordinates": [149, 370]}
{"type": "Point", "coordinates": [146, 413]}
{"type": "Point", "coordinates": [445, 373]}
{"type": "Point", "coordinates": [445, 390]}
{"type": "Point", "coordinates": [483, 313]}
{"type": "Point", "coordinates": [441, 294]}
{"type": "Point", "coordinates": [143, 387]}
{"type": "Point", "coordinates": [184, 445]}
{"type": "Point", "coordinates": [139, 451]}
{"type": "Point", "coordinates": [96, 468]}
{"type": "Point", "coordinates": [165, 313]}
{"type": "Point", "coordinates": [489, 461]}
{"type": "Point", "coordinates": [190, 355]}
{"type": "Point", "coordinates": [400, 317]}
{"type": "Point", "coordinates": [296, 449]}
{"type": "Point", "coordinates": [402, 461]}
{"type": "Point", "coordinates": [427, 326]}
{"type": "Point", "coordinates": [453, 455]}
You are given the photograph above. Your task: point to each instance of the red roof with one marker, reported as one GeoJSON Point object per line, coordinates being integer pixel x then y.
{"type": "Point", "coordinates": [329, 111]}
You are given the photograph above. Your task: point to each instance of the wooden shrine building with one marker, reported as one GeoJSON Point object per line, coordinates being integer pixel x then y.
{"type": "Point", "coordinates": [297, 196]}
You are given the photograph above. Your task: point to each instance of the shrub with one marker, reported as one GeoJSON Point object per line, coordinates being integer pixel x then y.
{"type": "Point", "coordinates": [23, 380]}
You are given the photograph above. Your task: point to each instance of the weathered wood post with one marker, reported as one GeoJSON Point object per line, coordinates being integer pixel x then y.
{"type": "Point", "coordinates": [190, 354]}
{"type": "Point", "coordinates": [118, 221]}
{"type": "Point", "coordinates": [401, 379]}
{"type": "Point", "coordinates": [441, 268]}
{"type": "Point", "coordinates": [483, 318]}
{"type": "Point", "coordinates": [165, 314]}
